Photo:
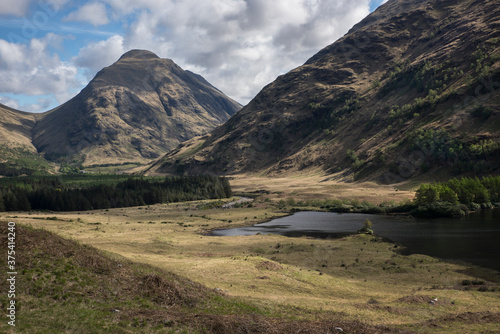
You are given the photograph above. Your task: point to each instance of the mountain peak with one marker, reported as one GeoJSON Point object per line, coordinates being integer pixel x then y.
{"type": "Point", "coordinates": [139, 54]}
{"type": "Point", "coordinates": [136, 109]}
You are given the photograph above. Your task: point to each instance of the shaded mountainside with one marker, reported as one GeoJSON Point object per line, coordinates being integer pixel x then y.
{"type": "Point", "coordinates": [411, 89]}
{"type": "Point", "coordinates": [132, 111]}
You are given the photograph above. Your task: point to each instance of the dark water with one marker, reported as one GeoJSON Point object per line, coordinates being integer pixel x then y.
{"type": "Point", "coordinates": [474, 239]}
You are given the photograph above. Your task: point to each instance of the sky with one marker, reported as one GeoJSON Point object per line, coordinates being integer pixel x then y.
{"type": "Point", "coordinates": [51, 49]}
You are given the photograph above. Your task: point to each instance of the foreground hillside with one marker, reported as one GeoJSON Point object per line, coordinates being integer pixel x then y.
{"type": "Point", "coordinates": [249, 284]}
{"type": "Point", "coordinates": [66, 287]}
{"type": "Point", "coordinates": [412, 89]}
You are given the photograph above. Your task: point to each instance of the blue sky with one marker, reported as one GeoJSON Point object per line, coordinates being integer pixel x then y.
{"type": "Point", "coordinates": [50, 49]}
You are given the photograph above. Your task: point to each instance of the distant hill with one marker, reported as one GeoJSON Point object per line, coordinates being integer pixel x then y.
{"type": "Point", "coordinates": [132, 111]}
{"type": "Point", "coordinates": [411, 90]}
{"type": "Point", "coordinates": [18, 155]}
{"type": "Point", "coordinates": [16, 127]}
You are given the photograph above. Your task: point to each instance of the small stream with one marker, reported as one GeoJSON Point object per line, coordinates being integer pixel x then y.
{"type": "Point", "coordinates": [474, 239]}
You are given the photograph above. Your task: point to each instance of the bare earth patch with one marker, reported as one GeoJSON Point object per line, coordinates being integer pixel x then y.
{"type": "Point", "coordinates": [268, 265]}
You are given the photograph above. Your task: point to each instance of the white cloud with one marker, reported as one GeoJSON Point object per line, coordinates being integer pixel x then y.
{"type": "Point", "coordinates": [125, 7]}
{"type": "Point", "coordinates": [42, 104]}
{"type": "Point", "coordinates": [96, 56]}
{"type": "Point", "coordinates": [93, 13]}
{"type": "Point", "coordinates": [57, 4]}
{"type": "Point", "coordinates": [15, 8]}
{"type": "Point", "coordinates": [20, 8]}
{"type": "Point", "coordinates": [32, 70]}
{"type": "Point", "coordinates": [238, 45]}
{"type": "Point", "coordinates": [10, 102]}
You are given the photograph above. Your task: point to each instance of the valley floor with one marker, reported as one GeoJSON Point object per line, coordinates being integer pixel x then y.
{"type": "Point", "coordinates": [320, 187]}
{"type": "Point", "coordinates": [358, 278]}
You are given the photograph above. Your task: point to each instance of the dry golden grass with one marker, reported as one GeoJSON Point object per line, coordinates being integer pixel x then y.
{"type": "Point", "coordinates": [365, 280]}
{"type": "Point", "coordinates": [15, 128]}
{"type": "Point", "coordinates": [319, 186]}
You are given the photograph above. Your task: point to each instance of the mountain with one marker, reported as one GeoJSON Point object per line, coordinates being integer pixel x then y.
{"type": "Point", "coordinates": [132, 111]}
{"type": "Point", "coordinates": [16, 128]}
{"type": "Point", "coordinates": [18, 156]}
{"type": "Point", "coordinates": [411, 90]}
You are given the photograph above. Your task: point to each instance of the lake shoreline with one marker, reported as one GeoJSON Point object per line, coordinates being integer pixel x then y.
{"type": "Point", "coordinates": [463, 239]}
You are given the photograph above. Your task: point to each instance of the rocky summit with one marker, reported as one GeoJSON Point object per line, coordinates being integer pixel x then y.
{"type": "Point", "coordinates": [132, 111]}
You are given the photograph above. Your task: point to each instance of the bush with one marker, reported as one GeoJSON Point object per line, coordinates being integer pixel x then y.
{"type": "Point", "coordinates": [367, 228]}
{"type": "Point", "coordinates": [402, 207]}
{"type": "Point", "coordinates": [464, 208]}
{"type": "Point", "coordinates": [482, 112]}
{"type": "Point", "coordinates": [340, 209]}
{"type": "Point", "coordinates": [487, 205]}
{"type": "Point", "coordinates": [372, 209]}
{"type": "Point", "coordinates": [356, 162]}
{"type": "Point", "coordinates": [438, 209]}
{"type": "Point", "coordinates": [474, 206]}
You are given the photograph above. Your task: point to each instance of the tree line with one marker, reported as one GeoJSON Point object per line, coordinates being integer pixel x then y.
{"type": "Point", "coordinates": [457, 196]}
{"type": "Point", "coordinates": [51, 194]}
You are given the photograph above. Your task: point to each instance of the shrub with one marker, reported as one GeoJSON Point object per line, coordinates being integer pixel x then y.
{"type": "Point", "coordinates": [367, 228]}
{"type": "Point", "coordinates": [405, 206]}
{"type": "Point", "coordinates": [438, 209]}
{"type": "Point", "coordinates": [487, 205]}
{"type": "Point", "coordinates": [372, 209]}
{"type": "Point", "coordinates": [481, 112]}
{"type": "Point", "coordinates": [474, 206]}
{"type": "Point", "coordinates": [356, 162]}
{"type": "Point", "coordinates": [464, 208]}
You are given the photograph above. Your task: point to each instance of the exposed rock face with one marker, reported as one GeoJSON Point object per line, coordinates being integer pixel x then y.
{"type": "Point", "coordinates": [132, 111]}
{"type": "Point", "coordinates": [411, 89]}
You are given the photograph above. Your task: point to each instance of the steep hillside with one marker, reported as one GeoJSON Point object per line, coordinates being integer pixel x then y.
{"type": "Point", "coordinates": [412, 89]}
{"type": "Point", "coordinates": [15, 128]}
{"type": "Point", "coordinates": [17, 153]}
{"type": "Point", "coordinates": [132, 111]}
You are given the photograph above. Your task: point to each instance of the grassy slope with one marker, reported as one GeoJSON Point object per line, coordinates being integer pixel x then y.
{"type": "Point", "coordinates": [16, 149]}
{"type": "Point", "coordinates": [16, 127]}
{"type": "Point", "coordinates": [349, 281]}
{"type": "Point", "coordinates": [21, 160]}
